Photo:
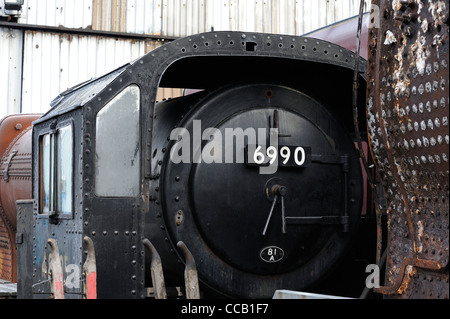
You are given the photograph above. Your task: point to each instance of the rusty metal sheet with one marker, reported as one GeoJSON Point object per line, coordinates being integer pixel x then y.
{"type": "Point", "coordinates": [6, 249]}
{"type": "Point", "coordinates": [15, 183]}
{"type": "Point", "coordinates": [15, 162]}
{"type": "Point", "coordinates": [408, 111]}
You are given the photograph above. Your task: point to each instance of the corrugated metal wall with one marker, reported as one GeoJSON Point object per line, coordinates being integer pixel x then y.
{"type": "Point", "coordinates": [144, 16]}
{"type": "Point", "coordinates": [11, 65]}
{"type": "Point", "coordinates": [278, 16]}
{"type": "Point", "coordinates": [58, 13]}
{"type": "Point", "coordinates": [177, 18]}
{"type": "Point", "coordinates": [55, 62]}
{"type": "Point", "coordinates": [41, 64]}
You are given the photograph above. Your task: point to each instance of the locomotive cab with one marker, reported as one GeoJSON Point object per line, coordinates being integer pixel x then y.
{"type": "Point", "coordinates": [79, 141]}
{"type": "Point", "coordinates": [256, 173]}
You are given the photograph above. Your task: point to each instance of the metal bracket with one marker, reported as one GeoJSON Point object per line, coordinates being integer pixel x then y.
{"type": "Point", "coordinates": [322, 220]}
{"type": "Point", "coordinates": [415, 262]}
{"type": "Point", "coordinates": [156, 271]}
{"type": "Point", "coordinates": [330, 159]}
{"type": "Point", "coordinates": [42, 287]}
{"type": "Point", "coordinates": [90, 271]}
{"type": "Point", "coordinates": [190, 273]}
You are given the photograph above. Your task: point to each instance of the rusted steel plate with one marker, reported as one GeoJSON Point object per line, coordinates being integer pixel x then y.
{"type": "Point", "coordinates": [408, 111]}
{"type": "Point", "coordinates": [15, 183]}
{"type": "Point", "coordinates": [6, 249]}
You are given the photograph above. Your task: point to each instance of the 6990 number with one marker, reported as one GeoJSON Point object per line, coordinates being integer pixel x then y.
{"type": "Point", "coordinates": [291, 156]}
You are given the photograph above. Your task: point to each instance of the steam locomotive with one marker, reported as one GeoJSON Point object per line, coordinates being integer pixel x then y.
{"type": "Point", "coordinates": [258, 179]}
{"type": "Point", "coordinates": [251, 182]}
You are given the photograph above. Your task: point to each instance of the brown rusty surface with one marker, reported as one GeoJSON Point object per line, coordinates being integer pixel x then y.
{"type": "Point", "coordinates": [6, 262]}
{"type": "Point", "coordinates": [15, 163]}
{"type": "Point", "coordinates": [109, 15]}
{"type": "Point", "coordinates": [11, 126]}
{"type": "Point", "coordinates": [15, 184]}
{"type": "Point", "coordinates": [408, 111]}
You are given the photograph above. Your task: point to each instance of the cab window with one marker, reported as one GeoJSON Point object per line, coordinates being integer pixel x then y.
{"type": "Point", "coordinates": [56, 171]}
{"type": "Point", "coordinates": [117, 147]}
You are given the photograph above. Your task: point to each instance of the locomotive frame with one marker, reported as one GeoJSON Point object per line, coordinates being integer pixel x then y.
{"type": "Point", "coordinates": [113, 227]}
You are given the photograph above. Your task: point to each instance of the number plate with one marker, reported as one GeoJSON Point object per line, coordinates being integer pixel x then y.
{"type": "Point", "coordinates": [271, 254]}
{"type": "Point", "coordinates": [287, 156]}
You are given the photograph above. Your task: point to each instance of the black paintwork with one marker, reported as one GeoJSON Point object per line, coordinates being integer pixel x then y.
{"type": "Point", "coordinates": [316, 71]}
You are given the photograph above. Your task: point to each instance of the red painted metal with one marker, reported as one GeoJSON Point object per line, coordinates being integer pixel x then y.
{"type": "Point", "coordinates": [343, 33]}
{"type": "Point", "coordinates": [90, 270]}
{"type": "Point", "coordinates": [91, 286]}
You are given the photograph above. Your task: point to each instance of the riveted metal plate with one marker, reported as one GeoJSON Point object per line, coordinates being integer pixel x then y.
{"type": "Point", "coordinates": [408, 111]}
